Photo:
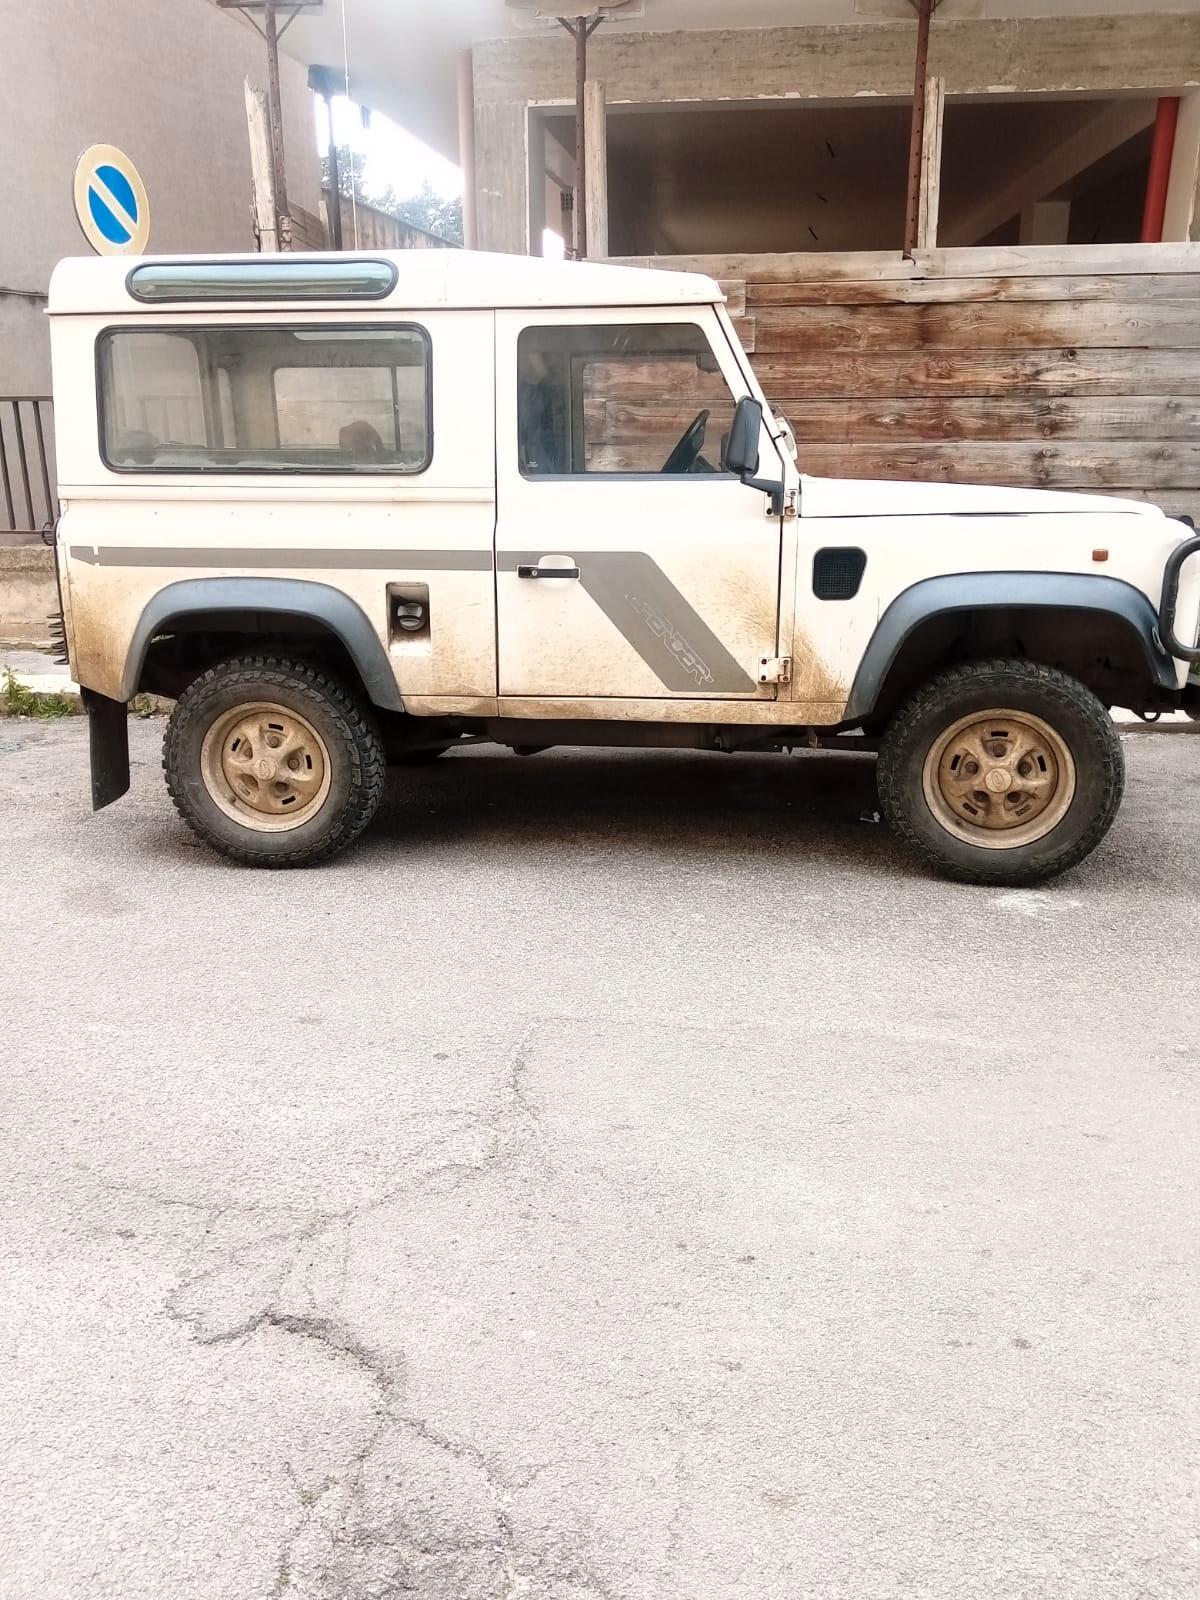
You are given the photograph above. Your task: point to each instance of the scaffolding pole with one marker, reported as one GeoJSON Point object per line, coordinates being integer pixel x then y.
{"type": "Point", "coordinates": [581, 30]}
{"type": "Point", "coordinates": [916, 146]}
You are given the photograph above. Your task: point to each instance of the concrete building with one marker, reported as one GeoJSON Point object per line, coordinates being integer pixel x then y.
{"type": "Point", "coordinates": [1026, 335]}
{"type": "Point", "coordinates": [781, 125]}
{"type": "Point", "coordinates": [161, 79]}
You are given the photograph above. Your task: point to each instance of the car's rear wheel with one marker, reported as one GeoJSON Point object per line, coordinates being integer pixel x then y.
{"type": "Point", "coordinates": [1002, 772]}
{"type": "Point", "coordinates": [273, 762]}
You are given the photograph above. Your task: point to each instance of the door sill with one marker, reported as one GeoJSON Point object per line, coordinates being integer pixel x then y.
{"type": "Point", "coordinates": [617, 710]}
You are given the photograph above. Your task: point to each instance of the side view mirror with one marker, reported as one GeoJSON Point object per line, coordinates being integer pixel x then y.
{"type": "Point", "coordinates": [741, 452]}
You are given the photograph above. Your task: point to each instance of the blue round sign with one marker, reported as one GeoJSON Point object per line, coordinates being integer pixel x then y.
{"type": "Point", "coordinates": [111, 202]}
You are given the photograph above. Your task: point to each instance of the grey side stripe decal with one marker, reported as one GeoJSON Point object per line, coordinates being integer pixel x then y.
{"type": "Point", "coordinates": [355, 560]}
{"type": "Point", "coordinates": [633, 592]}
{"type": "Point", "coordinates": [643, 604]}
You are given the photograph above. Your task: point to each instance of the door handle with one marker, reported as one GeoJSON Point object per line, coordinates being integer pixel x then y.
{"type": "Point", "coordinates": [547, 572]}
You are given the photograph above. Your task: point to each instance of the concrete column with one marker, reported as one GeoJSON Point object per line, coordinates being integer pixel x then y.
{"type": "Point", "coordinates": [466, 144]}
{"type": "Point", "coordinates": [1182, 220]}
{"type": "Point", "coordinates": [1046, 222]}
{"type": "Point", "coordinates": [595, 186]}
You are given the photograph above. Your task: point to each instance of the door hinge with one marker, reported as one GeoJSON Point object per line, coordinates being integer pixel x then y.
{"type": "Point", "coordinates": [775, 669]}
{"type": "Point", "coordinates": [790, 509]}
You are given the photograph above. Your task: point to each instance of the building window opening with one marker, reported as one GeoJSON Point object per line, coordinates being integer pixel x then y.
{"type": "Point", "coordinates": [828, 177]}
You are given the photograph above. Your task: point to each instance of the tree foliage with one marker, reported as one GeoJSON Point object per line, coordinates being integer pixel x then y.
{"type": "Point", "coordinates": [426, 209]}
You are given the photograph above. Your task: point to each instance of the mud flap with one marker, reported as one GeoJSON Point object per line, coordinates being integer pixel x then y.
{"type": "Point", "coordinates": [108, 744]}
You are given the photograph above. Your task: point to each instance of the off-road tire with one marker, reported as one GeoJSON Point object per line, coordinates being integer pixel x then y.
{"type": "Point", "coordinates": [346, 729]}
{"type": "Point", "coordinates": [1070, 710]}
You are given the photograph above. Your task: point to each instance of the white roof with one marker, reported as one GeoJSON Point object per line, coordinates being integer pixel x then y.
{"type": "Point", "coordinates": [424, 279]}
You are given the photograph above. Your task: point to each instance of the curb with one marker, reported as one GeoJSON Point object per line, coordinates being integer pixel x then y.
{"type": "Point", "coordinates": [1139, 728]}
{"type": "Point", "coordinates": [56, 686]}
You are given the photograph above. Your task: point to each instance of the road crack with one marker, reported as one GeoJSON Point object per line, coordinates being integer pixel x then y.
{"type": "Point", "coordinates": [411, 1507]}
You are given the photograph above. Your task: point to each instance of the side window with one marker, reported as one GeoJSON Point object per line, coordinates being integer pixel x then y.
{"type": "Point", "coordinates": [236, 399]}
{"type": "Point", "coordinates": [153, 390]}
{"type": "Point", "coordinates": [637, 398]}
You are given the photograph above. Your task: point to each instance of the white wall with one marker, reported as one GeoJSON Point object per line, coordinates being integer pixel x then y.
{"type": "Point", "coordinates": [161, 79]}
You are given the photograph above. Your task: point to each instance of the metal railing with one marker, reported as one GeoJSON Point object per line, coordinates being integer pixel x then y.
{"type": "Point", "coordinates": [28, 501]}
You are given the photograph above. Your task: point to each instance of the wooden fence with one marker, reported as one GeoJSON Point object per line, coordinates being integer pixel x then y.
{"type": "Point", "coordinates": [374, 229]}
{"type": "Point", "coordinates": [1058, 368]}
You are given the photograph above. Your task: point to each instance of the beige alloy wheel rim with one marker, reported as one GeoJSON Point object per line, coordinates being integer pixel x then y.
{"type": "Point", "coordinates": [999, 779]}
{"type": "Point", "coordinates": [266, 767]}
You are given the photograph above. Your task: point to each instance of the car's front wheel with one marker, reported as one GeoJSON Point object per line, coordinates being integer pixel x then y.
{"type": "Point", "coordinates": [273, 762]}
{"type": "Point", "coordinates": [1002, 772]}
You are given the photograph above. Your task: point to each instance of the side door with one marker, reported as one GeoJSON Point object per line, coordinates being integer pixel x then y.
{"type": "Point", "coordinates": [629, 565]}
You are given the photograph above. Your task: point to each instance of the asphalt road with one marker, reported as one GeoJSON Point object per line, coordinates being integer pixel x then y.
{"type": "Point", "coordinates": [621, 1177]}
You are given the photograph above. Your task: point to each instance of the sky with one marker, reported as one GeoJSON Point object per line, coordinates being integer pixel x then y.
{"type": "Point", "coordinates": [393, 156]}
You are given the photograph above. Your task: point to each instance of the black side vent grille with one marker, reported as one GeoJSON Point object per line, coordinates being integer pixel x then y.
{"type": "Point", "coordinates": [57, 630]}
{"type": "Point", "coordinates": [838, 574]}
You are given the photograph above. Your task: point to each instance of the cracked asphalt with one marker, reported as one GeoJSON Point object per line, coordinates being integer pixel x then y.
{"type": "Point", "coordinates": [621, 1177]}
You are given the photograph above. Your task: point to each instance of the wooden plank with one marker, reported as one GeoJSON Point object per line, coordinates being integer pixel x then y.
{"type": "Point", "coordinates": [641, 385]}
{"type": "Point", "coordinates": [1061, 325]}
{"type": "Point", "coordinates": [595, 185]}
{"type": "Point", "coordinates": [308, 231]}
{"type": "Point", "coordinates": [734, 290]}
{"type": "Point", "coordinates": [1007, 418]}
{"type": "Point", "coordinates": [1129, 290]}
{"type": "Point", "coordinates": [1000, 261]}
{"type": "Point", "coordinates": [887, 374]}
{"type": "Point", "coordinates": [261, 172]}
{"type": "Point", "coordinates": [622, 419]}
{"type": "Point", "coordinates": [1077, 466]}
{"type": "Point", "coordinates": [931, 163]}
{"type": "Point", "coordinates": [1175, 502]}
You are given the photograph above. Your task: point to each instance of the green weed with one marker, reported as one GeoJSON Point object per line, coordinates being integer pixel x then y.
{"type": "Point", "coordinates": [18, 700]}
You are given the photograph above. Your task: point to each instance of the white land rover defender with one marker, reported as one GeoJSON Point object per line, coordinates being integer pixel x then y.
{"type": "Point", "coordinates": [354, 510]}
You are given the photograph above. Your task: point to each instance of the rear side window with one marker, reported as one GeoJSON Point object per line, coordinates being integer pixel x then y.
{"type": "Point", "coordinates": [237, 399]}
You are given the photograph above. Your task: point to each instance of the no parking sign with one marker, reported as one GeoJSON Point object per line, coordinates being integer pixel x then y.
{"type": "Point", "coordinates": [110, 202]}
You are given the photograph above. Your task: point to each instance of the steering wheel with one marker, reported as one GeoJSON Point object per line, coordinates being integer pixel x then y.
{"type": "Point", "coordinates": [683, 457]}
